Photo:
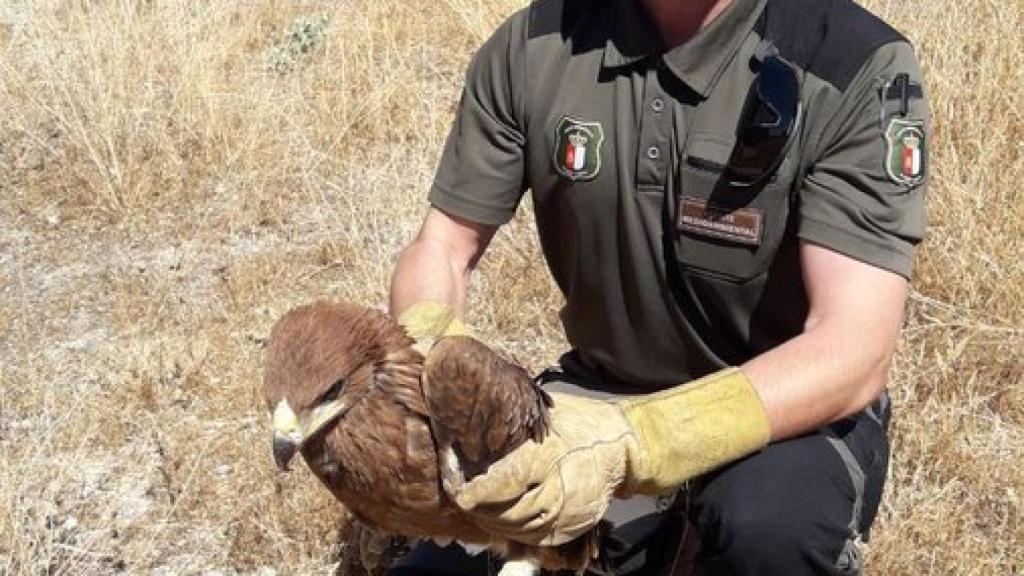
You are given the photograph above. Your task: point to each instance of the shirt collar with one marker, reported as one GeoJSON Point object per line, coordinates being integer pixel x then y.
{"type": "Point", "coordinates": [699, 61]}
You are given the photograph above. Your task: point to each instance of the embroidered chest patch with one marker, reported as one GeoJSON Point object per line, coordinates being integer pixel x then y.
{"type": "Point", "coordinates": [743, 226]}
{"type": "Point", "coordinates": [577, 149]}
{"type": "Point", "coordinates": [906, 152]}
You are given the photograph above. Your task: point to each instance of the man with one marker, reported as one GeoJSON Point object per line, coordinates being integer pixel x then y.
{"type": "Point", "coordinates": [728, 193]}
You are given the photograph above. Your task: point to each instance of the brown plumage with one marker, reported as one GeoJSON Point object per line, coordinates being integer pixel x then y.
{"type": "Point", "coordinates": [387, 447]}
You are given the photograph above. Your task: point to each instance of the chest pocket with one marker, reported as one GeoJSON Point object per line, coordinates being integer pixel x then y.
{"type": "Point", "coordinates": [723, 230]}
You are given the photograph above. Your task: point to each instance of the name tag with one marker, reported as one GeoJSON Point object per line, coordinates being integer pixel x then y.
{"type": "Point", "coordinates": [741, 225]}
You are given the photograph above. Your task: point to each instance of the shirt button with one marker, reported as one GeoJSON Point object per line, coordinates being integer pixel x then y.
{"type": "Point", "coordinates": [657, 104]}
{"type": "Point", "coordinates": [653, 153]}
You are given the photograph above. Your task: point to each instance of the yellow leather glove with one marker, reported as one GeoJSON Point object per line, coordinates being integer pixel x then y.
{"type": "Point", "coordinates": [427, 321]}
{"type": "Point", "coordinates": [550, 492]}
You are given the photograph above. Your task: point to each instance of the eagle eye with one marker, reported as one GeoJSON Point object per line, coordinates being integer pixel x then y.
{"type": "Point", "coordinates": [334, 391]}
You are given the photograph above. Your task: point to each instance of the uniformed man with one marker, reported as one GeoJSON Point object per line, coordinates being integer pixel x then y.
{"type": "Point", "coordinates": [728, 194]}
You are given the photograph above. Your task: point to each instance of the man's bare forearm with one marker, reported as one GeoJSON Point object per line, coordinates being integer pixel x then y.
{"type": "Point", "coordinates": [425, 272]}
{"type": "Point", "coordinates": [816, 378]}
{"type": "Point", "coordinates": [436, 265]}
{"type": "Point", "coordinates": [840, 363]}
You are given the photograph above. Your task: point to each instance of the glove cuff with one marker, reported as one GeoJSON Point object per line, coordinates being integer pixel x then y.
{"type": "Point", "coordinates": [693, 428]}
{"type": "Point", "coordinates": [429, 320]}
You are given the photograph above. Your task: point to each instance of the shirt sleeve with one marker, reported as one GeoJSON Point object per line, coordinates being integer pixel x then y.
{"type": "Point", "coordinates": [864, 192]}
{"type": "Point", "coordinates": [481, 173]}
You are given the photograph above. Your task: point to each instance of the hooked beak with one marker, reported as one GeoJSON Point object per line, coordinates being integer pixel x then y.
{"type": "Point", "coordinates": [287, 435]}
{"type": "Point", "coordinates": [284, 449]}
{"type": "Point", "coordinates": [290, 433]}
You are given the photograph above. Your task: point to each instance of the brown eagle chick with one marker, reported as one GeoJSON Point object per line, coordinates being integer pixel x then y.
{"type": "Point", "coordinates": [383, 429]}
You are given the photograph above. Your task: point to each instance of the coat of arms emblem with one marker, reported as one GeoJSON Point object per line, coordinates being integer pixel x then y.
{"type": "Point", "coordinates": [577, 149]}
{"type": "Point", "coordinates": [906, 154]}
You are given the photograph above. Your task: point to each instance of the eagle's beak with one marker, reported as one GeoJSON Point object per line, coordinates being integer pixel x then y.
{"type": "Point", "coordinates": [284, 450]}
{"type": "Point", "coordinates": [290, 432]}
{"type": "Point", "coordinates": [287, 435]}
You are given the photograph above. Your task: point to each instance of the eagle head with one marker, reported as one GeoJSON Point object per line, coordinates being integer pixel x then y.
{"type": "Point", "coordinates": [321, 360]}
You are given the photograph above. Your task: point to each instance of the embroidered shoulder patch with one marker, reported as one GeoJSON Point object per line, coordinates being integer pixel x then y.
{"type": "Point", "coordinates": [577, 149]}
{"type": "Point", "coordinates": [906, 152]}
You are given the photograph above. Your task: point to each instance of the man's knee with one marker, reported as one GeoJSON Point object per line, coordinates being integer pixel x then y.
{"type": "Point", "coordinates": [787, 510]}
{"type": "Point", "coordinates": [749, 528]}
{"type": "Point", "coordinates": [743, 534]}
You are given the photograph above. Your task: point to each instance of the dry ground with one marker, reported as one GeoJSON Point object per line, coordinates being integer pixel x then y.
{"type": "Point", "coordinates": [175, 175]}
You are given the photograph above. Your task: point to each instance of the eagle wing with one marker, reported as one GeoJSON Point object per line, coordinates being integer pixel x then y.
{"type": "Point", "coordinates": [481, 406]}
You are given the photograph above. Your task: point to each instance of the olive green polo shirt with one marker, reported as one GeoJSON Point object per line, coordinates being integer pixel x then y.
{"type": "Point", "coordinates": [669, 268]}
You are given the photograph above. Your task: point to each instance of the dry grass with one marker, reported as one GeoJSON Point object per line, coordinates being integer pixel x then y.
{"type": "Point", "coordinates": [164, 195]}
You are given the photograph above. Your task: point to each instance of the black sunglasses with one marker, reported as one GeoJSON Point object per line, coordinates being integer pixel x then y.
{"type": "Point", "coordinates": [770, 118]}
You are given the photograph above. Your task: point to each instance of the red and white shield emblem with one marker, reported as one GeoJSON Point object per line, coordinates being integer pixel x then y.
{"type": "Point", "coordinates": [906, 157]}
{"type": "Point", "coordinates": [576, 152]}
{"type": "Point", "coordinates": [577, 148]}
{"type": "Point", "coordinates": [911, 156]}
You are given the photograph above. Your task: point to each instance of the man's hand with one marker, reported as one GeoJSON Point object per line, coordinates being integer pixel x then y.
{"type": "Point", "coordinates": [549, 493]}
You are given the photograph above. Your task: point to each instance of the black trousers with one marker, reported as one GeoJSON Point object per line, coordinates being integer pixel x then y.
{"type": "Point", "coordinates": [794, 508]}
{"type": "Point", "coordinates": [797, 506]}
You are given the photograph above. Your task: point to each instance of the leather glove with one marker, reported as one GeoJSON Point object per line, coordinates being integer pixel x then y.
{"type": "Point", "coordinates": [550, 492]}
{"type": "Point", "coordinates": [427, 321]}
